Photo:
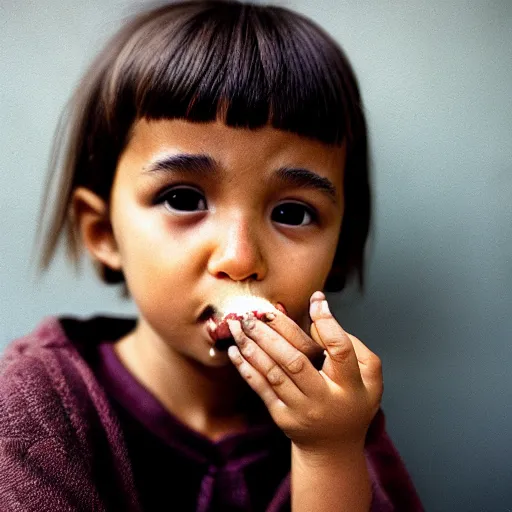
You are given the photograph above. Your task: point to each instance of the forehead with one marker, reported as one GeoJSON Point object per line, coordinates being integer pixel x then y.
{"type": "Point", "coordinates": [240, 150]}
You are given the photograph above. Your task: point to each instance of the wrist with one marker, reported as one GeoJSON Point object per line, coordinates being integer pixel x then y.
{"type": "Point", "coordinates": [335, 480]}
{"type": "Point", "coordinates": [329, 456]}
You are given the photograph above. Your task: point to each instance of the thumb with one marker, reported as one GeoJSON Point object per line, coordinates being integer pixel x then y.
{"type": "Point", "coordinates": [341, 363]}
{"type": "Point", "coordinates": [314, 334]}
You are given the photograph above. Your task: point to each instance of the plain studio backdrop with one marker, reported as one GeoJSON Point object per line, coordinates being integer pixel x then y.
{"type": "Point", "coordinates": [436, 77]}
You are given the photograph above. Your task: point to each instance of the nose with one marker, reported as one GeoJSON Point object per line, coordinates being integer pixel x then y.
{"type": "Point", "coordinates": [237, 252]}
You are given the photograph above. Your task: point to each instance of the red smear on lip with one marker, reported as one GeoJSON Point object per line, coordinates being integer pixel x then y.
{"type": "Point", "coordinates": [222, 328]}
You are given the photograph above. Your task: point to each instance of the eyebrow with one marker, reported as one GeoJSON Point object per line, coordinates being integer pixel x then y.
{"type": "Point", "coordinates": [203, 166]}
{"type": "Point", "coordinates": [195, 165]}
{"type": "Point", "coordinates": [304, 178]}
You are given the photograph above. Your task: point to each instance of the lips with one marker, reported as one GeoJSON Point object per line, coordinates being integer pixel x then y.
{"type": "Point", "coordinates": [218, 327]}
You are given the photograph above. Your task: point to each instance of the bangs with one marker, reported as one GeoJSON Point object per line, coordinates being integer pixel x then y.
{"type": "Point", "coordinates": [243, 64]}
{"type": "Point", "coordinates": [205, 60]}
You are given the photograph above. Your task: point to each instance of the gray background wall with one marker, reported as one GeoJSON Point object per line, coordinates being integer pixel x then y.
{"type": "Point", "coordinates": [437, 80]}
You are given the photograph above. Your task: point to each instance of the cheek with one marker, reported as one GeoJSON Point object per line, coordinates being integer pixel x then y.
{"type": "Point", "coordinates": [298, 286]}
{"type": "Point", "coordinates": [151, 259]}
{"type": "Point", "coordinates": [311, 269]}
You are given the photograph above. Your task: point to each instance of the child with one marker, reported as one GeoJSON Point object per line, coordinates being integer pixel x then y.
{"type": "Point", "coordinates": [255, 114]}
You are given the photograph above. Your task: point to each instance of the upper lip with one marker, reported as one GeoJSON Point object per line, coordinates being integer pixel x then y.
{"type": "Point", "coordinates": [213, 312]}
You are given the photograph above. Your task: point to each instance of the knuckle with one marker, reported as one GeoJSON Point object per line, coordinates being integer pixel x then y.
{"type": "Point", "coordinates": [296, 365]}
{"type": "Point", "coordinates": [313, 416]}
{"type": "Point", "coordinates": [241, 340]}
{"type": "Point", "coordinates": [339, 348]}
{"type": "Point", "coordinates": [245, 371]}
{"type": "Point", "coordinates": [247, 349]}
{"type": "Point", "coordinates": [375, 362]}
{"type": "Point", "coordinates": [275, 376]}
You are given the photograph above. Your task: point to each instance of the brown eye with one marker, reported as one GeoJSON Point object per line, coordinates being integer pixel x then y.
{"type": "Point", "coordinates": [293, 214]}
{"type": "Point", "coordinates": [183, 199]}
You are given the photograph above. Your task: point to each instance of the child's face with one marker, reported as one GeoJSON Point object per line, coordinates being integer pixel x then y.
{"type": "Point", "coordinates": [200, 208]}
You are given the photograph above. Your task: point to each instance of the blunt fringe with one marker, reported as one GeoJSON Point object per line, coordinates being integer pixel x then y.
{"type": "Point", "coordinates": [246, 64]}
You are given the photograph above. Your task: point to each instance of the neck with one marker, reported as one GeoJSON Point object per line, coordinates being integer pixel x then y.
{"type": "Point", "coordinates": [212, 401]}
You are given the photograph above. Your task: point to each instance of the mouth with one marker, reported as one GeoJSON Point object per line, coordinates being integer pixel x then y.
{"type": "Point", "coordinates": [218, 329]}
{"type": "Point", "coordinates": [235, 308]}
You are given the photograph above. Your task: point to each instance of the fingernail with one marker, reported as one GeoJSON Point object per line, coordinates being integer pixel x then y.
{"type": "Point", "coordinates": [232, 324]}
{"type": "Point", "coordinates": [320, 307]}
{"type": "Point", "coordinates": [248, 321]}
{"type": "Point", "coordinates": [234, 354]}
{"type": "Point", "coordinates": [318, 295]}
{"type": "Point", "coordinates": [324, 307]}
{"type": "Point", "coordinates": [268, 316]}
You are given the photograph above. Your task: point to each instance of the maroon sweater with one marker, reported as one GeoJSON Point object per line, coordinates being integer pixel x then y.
{"type": "Point", "coordinates": [77, 432]}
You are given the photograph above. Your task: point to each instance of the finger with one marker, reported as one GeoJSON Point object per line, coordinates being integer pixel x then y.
{"type": "Point", "coordinates": [289, 330]}
{"type": "Point", "coordinates": [316, 337]}
{"type": "Point", "coordinates": [284, 387]}
{"type": "Point", "coordinates": [295, 365]}
{"type": "Point", "coordinates": [370, 366]}
{"type": "Point", "coordinates": [254, 379]}
{"type": "Point", "coordinates": [341, 364]}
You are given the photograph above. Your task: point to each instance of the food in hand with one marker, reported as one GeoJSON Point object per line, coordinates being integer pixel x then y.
{"type": "Point", "coordinates": [235, 308]}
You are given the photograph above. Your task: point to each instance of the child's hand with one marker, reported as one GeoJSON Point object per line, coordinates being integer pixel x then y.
{"type": "Point", "coordinates": [324, 410]}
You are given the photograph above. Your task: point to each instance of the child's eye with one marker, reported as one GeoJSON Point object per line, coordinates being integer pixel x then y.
{"type": "Point", "coordinates": [295, 214]}
{"type": "Point", "coordinates": [188, 199]}
{"type": "Point", "coordinates": [183, 199]}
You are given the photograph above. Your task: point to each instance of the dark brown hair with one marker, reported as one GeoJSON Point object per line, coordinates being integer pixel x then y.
{"type": "Point", "coordinates": [248, 64]}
